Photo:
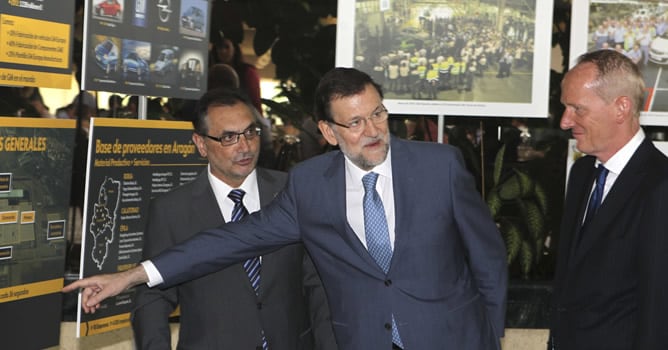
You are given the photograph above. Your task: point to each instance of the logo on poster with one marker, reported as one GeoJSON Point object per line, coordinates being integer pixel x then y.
{"type": "Point", "coordinates": [164, 10]}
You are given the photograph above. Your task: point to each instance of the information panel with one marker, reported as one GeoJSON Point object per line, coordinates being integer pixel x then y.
{"type": "Point", "coordinates": [151, 48]}
{"type": "Point", "coordinates": [35, 42]}
{"type": "Point", "coordinates": [35, 175]}
{"type": "Point", "coordinates": [129, 162]}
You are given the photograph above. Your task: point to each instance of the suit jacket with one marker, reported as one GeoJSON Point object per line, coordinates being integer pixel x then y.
{"type": "Point", "coordinates": [611, 289]}
{"type": "Point", "coordinates": [221, 310]}
{"type": "Point", "coordinates": [446, 285]}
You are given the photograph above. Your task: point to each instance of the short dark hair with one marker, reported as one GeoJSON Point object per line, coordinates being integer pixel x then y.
{"type": "Point", "coordinates": [337, 83]}
{"type": "Point", "coordinates": [220, 97]}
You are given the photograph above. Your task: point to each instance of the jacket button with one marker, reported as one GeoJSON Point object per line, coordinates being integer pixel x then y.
{"type": "Point", "coordinates": [259, 306]}
{"type": "Point", "coordinates": [388, 326]}
{"type": "Point", "coordinates": [388, 283]}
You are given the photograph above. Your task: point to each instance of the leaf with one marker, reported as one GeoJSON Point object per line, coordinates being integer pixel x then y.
{"type": "Point", "coordinates": [525, 182]}
{"type": "Point", "coordinates": [534, 220]}
{"type": "Point", "coordinates": [541, 198]}
{"type": "Point", "coordinates": [513, 238]}
{"type": "Point", "coordinates": [526, 259]}
{"type": "Point", "coordinates": [494, 203]}
{"type": "Point", "coordinates": [498, 164]}
{"type": "Point", "coordinates": [510, 189]}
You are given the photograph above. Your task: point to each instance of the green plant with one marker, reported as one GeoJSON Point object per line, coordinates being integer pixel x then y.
{"type": "Point", "coordinates": [518, 204]}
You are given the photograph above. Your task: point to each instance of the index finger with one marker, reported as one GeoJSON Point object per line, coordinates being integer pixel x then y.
{"type": "Point", "coordinates": [83, 283]}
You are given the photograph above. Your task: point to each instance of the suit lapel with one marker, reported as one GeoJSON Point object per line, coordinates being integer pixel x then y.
{"type": "Point", "coordinates": [402, 182]}
{"type": "Point", "coordinates": [335, 178]}
{"type": "Point", "coordinates": [632, 176]}
{"type": "Point", "coordinates": [576, 205]}
{"type": "Point", "coordinates": [268, 188]}
{"type": "Point", "coordinates": [207, 215]}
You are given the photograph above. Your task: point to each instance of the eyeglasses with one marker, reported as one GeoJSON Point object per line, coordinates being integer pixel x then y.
{"type": "Point", "coordinates": [359, 123]}
{"type": "Point", "coordinates": [230, 138]}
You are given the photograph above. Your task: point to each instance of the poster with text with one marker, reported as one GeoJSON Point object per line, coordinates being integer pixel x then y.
{"type": "Point", "coordinates": [150, 48]}
{"type": "Point", "coordinates": [35, 43]}
{"type": "Point", "coordinates": [35, 175]}
{"type": "Point", "coordinates": [129, 162]}
{"type": "Point", "coordinates": [455, 58]}
{"type": "Point", "coordinates": [639, 29]}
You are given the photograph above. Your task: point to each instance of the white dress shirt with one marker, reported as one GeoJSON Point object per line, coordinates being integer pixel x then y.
{"type": "Point", "coordinates": [618, 161]}
{"type": "Point", "coordinates": [251, 201]}
{"type": "Point", "coordinates": [355, 195]}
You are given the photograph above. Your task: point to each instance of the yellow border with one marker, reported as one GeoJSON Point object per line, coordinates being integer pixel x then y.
{"type": "Point", "coordinates": [37, 123]}
{"type": "Point", "coordinates": [30, 290]}
{"type": "Point", "coordinates": [103, 325]}
{"type": "Point", "coordinates": [147, 124]}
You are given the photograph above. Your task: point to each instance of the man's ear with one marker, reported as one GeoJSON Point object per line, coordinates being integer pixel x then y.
{"type": "Point", "coordinates": [623, 107]}
{"type": "Point", "coordinates": [327, 132]}
{"type": "Point", "coordinates": [199, 142]}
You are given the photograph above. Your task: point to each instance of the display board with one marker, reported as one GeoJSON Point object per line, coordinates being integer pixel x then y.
{"type": "Point", "coordinates": [36, 37]}
{"type": "Point", "coordinates": [129, 162]}
{"type": "Point", "coordinates": [35, 168]}
{"type": "Point", "coordinates": [456, 58]}
{"type": "Point", "coordinates": [149, 48]}
{"type": "Point", "coordinates": [621, 25]}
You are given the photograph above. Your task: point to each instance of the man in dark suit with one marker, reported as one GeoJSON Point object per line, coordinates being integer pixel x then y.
{"type": "Point", "coordinates": [424, 270]}
{"type": "Point", "coordinates": [610, 285]}
{"type": "Point", "coordinates": [222, 310]}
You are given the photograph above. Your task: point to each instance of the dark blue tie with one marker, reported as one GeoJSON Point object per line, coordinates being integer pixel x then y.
{"type": "Point", "coordinates": [377, 233]}
{"type": "Point", "coordinates": [596, 195]}
{"type": "Point", "coordinates": [252, 265]}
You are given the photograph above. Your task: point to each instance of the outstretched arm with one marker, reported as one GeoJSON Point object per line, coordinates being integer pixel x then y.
{"type": "Point", "coordinates": [100, 287]}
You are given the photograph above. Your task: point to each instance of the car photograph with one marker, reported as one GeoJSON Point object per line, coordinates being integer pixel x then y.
{"type": "Point", "coordinates": [109, 8]}
{"type": "Point", "coordinates": [191, 72]}
{"type": "Point", "coordinates": [132, 63]}
{"type": "Point", "coordinates": [106, 56]}
{"type": "Point", "coordinates": [165, 63]}
{"type": "Point", "coordinates": [193, 19]}
{"type": "Point", "coordinates": [658, 49]}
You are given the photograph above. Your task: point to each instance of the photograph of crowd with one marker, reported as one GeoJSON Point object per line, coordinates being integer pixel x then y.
{"type": "Point", "coordinates": [464, 51]}
{"type": "Point", "coordinates": [638, 29]}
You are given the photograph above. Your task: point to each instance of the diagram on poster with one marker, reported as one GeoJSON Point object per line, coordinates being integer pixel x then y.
{"type": "Point", "coordinates": [103, 222]}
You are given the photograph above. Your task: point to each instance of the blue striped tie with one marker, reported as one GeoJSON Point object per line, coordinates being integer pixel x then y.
{"type": "Point", "coordinates": [252, 265]}
{"type": "Point", "coordinates": [377, 234]}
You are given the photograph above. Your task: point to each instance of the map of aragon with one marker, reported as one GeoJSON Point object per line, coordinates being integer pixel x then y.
{"type": "Point", "coordinates": [103, 223]}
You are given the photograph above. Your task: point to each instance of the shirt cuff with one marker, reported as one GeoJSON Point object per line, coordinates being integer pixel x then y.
{"type": "Point", "coordinates": [154, 276]}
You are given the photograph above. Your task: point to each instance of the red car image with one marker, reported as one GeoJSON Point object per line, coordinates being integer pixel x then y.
{"type": "Point", "coordinates": [109, 8]}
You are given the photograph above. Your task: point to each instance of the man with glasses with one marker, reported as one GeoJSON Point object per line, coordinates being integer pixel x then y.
{"type": "Point", "coordinates": [222, 310]}
{"type": "Point", "coordinates": [407, 251]}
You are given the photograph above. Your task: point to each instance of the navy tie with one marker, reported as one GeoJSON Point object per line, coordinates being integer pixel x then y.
{"type": "Point", "coordinates": [596, 195]}
{"type": "Point", "coordinates": [377, 234]}
{"type": "Point", "coordinates": [252, 265]}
